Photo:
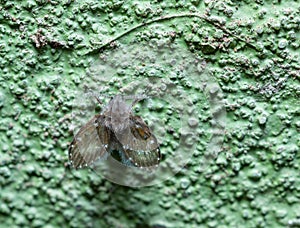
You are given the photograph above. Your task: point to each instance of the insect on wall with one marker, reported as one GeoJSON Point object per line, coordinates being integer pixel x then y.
{"type": "Point", "coordinates": [150, 123]}
{"type": "Point", "coordinates": [117, 132]}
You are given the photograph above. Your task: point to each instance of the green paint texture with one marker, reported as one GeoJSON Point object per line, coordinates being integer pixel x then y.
{"type": "Point", "coordinates": [46, 49]}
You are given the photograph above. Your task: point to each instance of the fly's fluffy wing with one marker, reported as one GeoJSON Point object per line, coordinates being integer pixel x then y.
{"type": "Point", "coordinates": [140, 145]}
{"type": "Point", "coordinates": [90, 143]}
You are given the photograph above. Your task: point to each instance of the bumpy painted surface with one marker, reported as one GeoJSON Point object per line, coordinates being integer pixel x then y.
{"type": "Point", "coordinates": [253, 183]}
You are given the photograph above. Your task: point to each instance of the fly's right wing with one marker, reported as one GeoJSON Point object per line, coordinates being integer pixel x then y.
{"type": "Point", "coordinates": [90, 143]}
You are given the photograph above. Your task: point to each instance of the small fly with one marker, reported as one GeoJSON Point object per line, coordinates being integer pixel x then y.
{"type": "Point", "coordinates": [117, 132]}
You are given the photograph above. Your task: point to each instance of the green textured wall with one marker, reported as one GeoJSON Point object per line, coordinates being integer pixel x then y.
{"type": "Point", "coordinates": [46, 48]}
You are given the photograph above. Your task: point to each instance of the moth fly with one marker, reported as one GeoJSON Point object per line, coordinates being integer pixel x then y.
{"type": "Point", "coordinates": [117, 132]}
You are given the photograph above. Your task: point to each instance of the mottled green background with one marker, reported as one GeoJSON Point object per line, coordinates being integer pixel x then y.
{"type": "Point", "coordinates": [45, 52]}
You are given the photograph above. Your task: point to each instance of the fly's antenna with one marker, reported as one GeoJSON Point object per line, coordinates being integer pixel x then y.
{"type": "Point", "coordinates": [135, 101]}
{"type": "Point", "coordinates": [140, 97]}
{"type": "Point", "coordinates": [89, 90]}
{"type": "Point", "coordinates": [97, 98]}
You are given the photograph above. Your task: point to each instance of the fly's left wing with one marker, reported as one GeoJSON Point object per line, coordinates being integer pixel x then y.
{"type": "Point", "coordinates": [90, 143]}
{"type": "Point", "coordinates": [139, 144]}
